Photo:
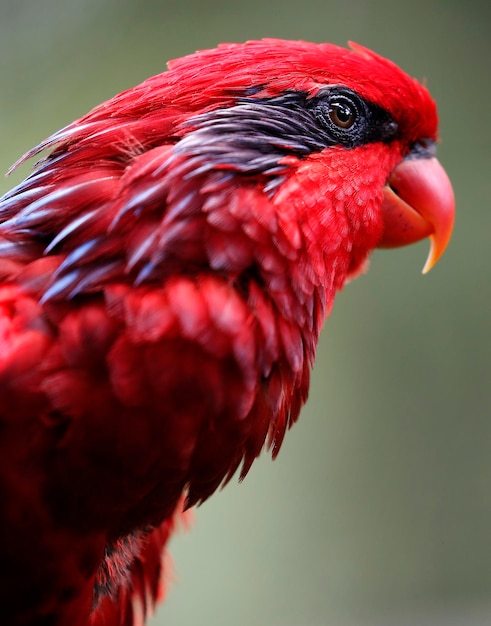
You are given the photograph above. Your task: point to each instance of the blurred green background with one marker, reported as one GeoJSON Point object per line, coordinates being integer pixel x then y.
{"type": "Point", "coordinates": [378, 509]}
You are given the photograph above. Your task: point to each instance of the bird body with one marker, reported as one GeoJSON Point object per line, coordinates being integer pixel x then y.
{"type": "Point", "coordinates": [164, 276]}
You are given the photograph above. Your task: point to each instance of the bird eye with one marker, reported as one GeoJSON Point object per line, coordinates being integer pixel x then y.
{"type": "Point", "coordinates": [350, 120]}
{"type": "Point", "coordinates": [342, 114]}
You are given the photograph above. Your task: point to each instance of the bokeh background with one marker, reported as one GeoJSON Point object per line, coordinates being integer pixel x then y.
{"type": "Point", "coordinates": [378, 509]}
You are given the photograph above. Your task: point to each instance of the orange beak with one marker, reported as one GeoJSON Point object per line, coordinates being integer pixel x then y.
{"type": "Point", "coordinates": [418, 202]}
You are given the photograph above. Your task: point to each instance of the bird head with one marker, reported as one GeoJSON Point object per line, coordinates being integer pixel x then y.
{"type": "Point", "coordinates": [272, 100]}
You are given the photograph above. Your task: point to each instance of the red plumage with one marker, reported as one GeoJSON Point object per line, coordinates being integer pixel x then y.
{"type": "Point", "coordinates": [165, 273]}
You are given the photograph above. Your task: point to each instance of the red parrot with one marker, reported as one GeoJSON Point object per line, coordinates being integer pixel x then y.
{"type": "Point", "coordinates": [165, 272]}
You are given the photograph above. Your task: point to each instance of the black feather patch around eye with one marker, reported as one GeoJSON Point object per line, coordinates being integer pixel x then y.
{"type": "Point", "coordinates": [255, 134]}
